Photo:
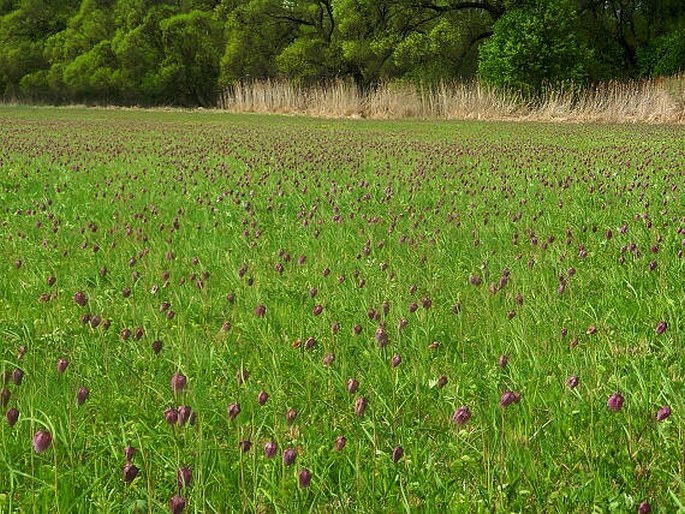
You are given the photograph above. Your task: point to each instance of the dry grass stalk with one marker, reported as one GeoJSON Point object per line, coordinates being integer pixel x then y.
{"type": "Point", "coordinates": [660, 100]}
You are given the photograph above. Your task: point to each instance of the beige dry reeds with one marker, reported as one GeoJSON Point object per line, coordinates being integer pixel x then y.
{"type": "Point", "coordinates": [659, 100]}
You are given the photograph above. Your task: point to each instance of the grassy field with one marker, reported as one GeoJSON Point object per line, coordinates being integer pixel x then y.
{"type": "Point", "coordinates": [489, 314]}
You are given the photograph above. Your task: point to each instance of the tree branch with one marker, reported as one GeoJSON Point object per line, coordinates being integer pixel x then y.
{"type": "Point", "coordinates": [496, 11]}
{"type": "Point", "coordinates": [480, 37]}
{"type": "Point", "coordinates": [285, 17]}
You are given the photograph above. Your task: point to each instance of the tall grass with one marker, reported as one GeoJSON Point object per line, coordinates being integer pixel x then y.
{"type": "Point", "coordinates": [660, 100]}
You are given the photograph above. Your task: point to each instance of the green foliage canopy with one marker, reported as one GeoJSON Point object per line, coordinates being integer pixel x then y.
{"type": "Point", "coordinates": [182, 51]}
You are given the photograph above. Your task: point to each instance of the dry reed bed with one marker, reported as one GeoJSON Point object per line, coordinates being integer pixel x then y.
{"type": "Point", "coordinates": [659, 100]}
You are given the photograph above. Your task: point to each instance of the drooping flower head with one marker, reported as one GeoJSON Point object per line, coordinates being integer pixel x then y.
{"type": "Point", "coordinates": [644, 508]}
{"type": "Point", "coordinates": [233, 411]}
{"type": "Point", "coordinates": [289, 456]}
{"type": "Point", "coordinates": [62, 364]}
{"type": "Point", "coordinates": [177, 504]}
{"type": "Point", "coordinates": [184, 477]}
{"type": "Point", "coordinates": [360, 405]}
{"type": "Point", "coordinates": [509, 397]}
{"type": "Point", "coordinates": [461, 416]}
{"type": "Point", "coordinates": [340, 443]}
{"type": "Point", "coordinates": [270, 449]}
{"type": "Point", "coordinates": [397, 453]}
{"type": "Point", "coordinates": [615, 402]}
{"type": "Point", "coordinates": [80, 298]}
{"type": "Point", "coordinates": [12, 416]}
{"type": "Point", "coordinates": [178, 382]}
{"type": "Point", "coordinates": [130, 472]}
{"type": "Point", "coordinates": [304, 477]}
{"type": "Point", "coordinates": [82, 395]}
{"type": "Point", "coordinates": [663, 413]}
{"type": "Point", "coordinates": [42, 441]}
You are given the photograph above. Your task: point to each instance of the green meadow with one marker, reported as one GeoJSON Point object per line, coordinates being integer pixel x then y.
{"type": "Point", "coordinates": [444, 316]}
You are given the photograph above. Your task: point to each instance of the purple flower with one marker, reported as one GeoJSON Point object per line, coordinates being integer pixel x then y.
{"type": "Point", "coordinates": [233, 411]}
{"type": "Point", "coordinates": [82, 395]}
{"type": "Point", "coordinates": [270, 449]}
{"type": "Point", "coordinates": [289, 456]}
{"type": "Point", "coordinates": [661, 327]}
{"type": "Point", "coordinates": [572, 381]}
{"type": "Point", "coordinates": [397, 453]}
{"type": "Point", "coordinates": [644, 508]}
{"type": "Point", "coordinates": [12, 415]}
{"type": "Point", "coordinates": [184, 477]}
{"type": "Point", "coordinates": [80, 298]}
{"type": "Point", "coordinates": [171, 415]}
{"type": "Point", "coordinates": [615, 402]}
{"type": "Point", "coordinates": [328, 359]}
{"type": "Point", "coordinates": [42, 441]}
{"type": "Point", "coordinates": [503, 361]}
{"type": "Point", "coordinates": [129, 452]}
{"type": "Point", "coordinates": [352, 385]}
{"type": "Point", "coordinates": [461, 416]}
{"type": "Point", "coordinates": [245, 445]}
{"type": "Point", "coordinates": [17, 376]}
{"type": "Point", "coordinates": [381, 337]}
{"type": "Point", "coordinates": [177, 504]}
{"type": "Point", "coordinates": [260, 311]}
{"type": "Point", "coordinates": [129, 472]}
{"type": "Point", "coordinates": [262, 397]}
{"type": "Point", "coordinates": [305, 477]}
{"type": "Point", "coordinates": [62, 364]}
{"type": "Point", "coordinates": [442, 381]}
{"type": "Point", "coordinates": [157, 346]}
{"type": "Point", "coordinates": [395, 361]}
{"type": "Point", "coordinates": [178, 382]}
{"type": "Point", "coordinates": [509, 397]}
{"type": "Point", "coordinates": [360, 405]}
{"type": "Point", "coordinates": [290, 416]}
{"type": "Point", "coordinates": [185, 412]}
{"type": "Point", "coordinates": [663, 413]}
{"type": "Point", "coordinates": [340, 443]}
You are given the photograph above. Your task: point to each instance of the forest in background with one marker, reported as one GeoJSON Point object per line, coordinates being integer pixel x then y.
{"type": "Point", "coordinates": [182, 52]}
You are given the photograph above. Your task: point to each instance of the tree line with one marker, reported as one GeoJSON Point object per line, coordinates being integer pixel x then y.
{"type": "Point", "coordinates": [182, 51]}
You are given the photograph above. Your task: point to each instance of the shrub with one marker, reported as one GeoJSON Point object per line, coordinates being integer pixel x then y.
{"type": "Point", "coordinates": [534, 45]}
